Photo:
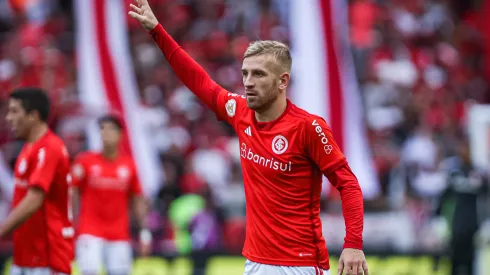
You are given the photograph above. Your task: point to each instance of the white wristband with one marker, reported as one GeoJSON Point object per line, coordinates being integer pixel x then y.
{"type": "Point", "coordinates": [145, 236]}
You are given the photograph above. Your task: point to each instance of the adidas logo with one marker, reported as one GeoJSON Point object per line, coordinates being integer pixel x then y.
{"type": "Point", "coordinates": [248, 131]}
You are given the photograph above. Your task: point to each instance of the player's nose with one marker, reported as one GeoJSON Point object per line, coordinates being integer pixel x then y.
{"type": "Point", "coordinates": [248, 83]}
{"type": "Point", "coordinates": [8, 118]}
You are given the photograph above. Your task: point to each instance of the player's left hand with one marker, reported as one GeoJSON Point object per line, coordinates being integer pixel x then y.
{"type": "Point", "coordinates": [353, 261]}
{"type": "Point", "coordinates": [145, 244]}
{"type": "Point", "coordinates": [144, 249]}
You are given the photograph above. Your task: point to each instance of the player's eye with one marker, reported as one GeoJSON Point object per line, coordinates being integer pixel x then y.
{"type": "Point", "coordinates": [259, 74]}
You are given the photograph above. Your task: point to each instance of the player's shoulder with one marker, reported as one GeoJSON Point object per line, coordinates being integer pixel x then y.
{"type": "Point", "coordinates": [306, 119]}
{"type": "Point", "coordinates": [50, 140]}
{"type": "Point", "coordinates": [126, 160]}
{"type": "Point", "coordinates": [126, 165]}
{"type": "Point", "coordinates": [86, 155]}
{"type": "Point", "coordinates": [52, 143]}
{"type": "Point", "coordinates": [235, 96]}
{"type": "Point", "coordinates": [82, 163]}
{"type": "Point", "coordinates": [234, 104]}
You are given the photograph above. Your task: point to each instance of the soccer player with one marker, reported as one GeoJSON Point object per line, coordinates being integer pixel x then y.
{"type": "Point", "coordinates": [103, 184]}
{"type": "Point", "coordinates": [284, 153]}
{"type": "Point", "coordinates": [43, 234]}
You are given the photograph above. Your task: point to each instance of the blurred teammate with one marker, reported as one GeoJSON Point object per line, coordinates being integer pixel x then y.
{"type": "Point", "coordinates": [43, 236]}
{"type": "Point", "coordinates": [103, 185]}
{"type": "Point", "coordinates": [284, 150]}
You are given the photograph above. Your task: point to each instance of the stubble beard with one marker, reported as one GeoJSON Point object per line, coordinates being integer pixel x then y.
{"type": "Point", "coordinates": [262, 102]}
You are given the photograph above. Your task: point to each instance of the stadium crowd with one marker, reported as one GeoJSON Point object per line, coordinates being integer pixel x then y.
{"type": "Point", "coordinates": [419, 65]}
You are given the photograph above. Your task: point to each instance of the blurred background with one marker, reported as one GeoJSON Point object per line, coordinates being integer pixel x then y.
{"type": "Point", "coordinates": [403, 83]}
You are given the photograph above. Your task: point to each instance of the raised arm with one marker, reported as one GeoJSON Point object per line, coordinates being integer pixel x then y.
{"type": "Point", "coordinates": [186, 68]}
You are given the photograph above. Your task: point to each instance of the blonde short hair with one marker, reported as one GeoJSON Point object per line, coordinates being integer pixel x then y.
{"type": "Point", "coordinates": [278, 50]}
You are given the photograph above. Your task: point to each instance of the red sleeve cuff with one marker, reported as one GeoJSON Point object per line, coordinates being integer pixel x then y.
{"type": "Point", "coordinates": [138, 192]}
{"type": "Point", "coordinates": [39, 186]}
{"type": "Point", "coordinates": [355, 245]}
{"type": "Point", "coordinates": [156, 29]}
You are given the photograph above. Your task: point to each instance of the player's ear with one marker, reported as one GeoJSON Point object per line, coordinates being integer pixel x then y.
{"type": "Point", "coordinates": [284, 79]}
{"type": "Point", "coordinates": [34, 114]}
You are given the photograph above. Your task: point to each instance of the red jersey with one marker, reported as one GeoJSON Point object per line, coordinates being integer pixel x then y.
{"type": "Point", "coordinates": [283, 162]}
{"type": "Point", "coordinates": [106, 187]}
{"type": "Point", "coordinates": [46, 238]}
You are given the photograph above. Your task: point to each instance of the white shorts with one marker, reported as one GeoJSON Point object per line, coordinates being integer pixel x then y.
{"type": "Point", "coordinates": [17, 270]}
{"type": "Point", "coordinates": [253, 268]}
{"type": "Point", "coordinates": [93, 253]}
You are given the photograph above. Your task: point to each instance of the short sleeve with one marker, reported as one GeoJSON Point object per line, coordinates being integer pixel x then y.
{"type": "Point", "coordinates": [46, 161]}
{"type": "Point", "coordinates": [229, 106]}
{"type": "Point", "coordinates": [78, 172]}
{"type": "Point", "coordinates": [135, 185]}
{"type": "Point", "coordinates": [321, 146]}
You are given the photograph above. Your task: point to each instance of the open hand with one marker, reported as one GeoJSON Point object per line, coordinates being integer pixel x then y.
{"type": "Point", "coordinates": [144, 249]}
{"type": "Point", "coordinates": [143, 13]}
{"type": "Point", "coordinates": [353, 261]}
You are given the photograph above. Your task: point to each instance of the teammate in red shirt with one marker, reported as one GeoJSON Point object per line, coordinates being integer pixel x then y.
{"type": "Point", "coordinates": [104, 183]}
{"type": "Point", "coordinates": [43, 235]}
{"type": "Point", "coordinates": [285, 151]}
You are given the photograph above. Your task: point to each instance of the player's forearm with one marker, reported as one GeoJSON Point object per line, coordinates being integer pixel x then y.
{"type": "Point", "coordinates": [25, 209]}
{"type": "Point", "coordinates": [186, 68]}
{"type": "Point", "coordinates": [352, 205]}
{"type": "Point", "coordinates": [75, 203]}
{"type": "Point", "coordinates": [140, 211]}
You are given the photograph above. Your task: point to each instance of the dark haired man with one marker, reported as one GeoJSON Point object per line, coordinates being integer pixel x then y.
{"type": "Point", "coordinates": [41, 218]}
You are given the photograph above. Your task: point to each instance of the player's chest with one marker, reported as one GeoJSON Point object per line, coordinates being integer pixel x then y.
{"type": "Point", "coordinates": [109, 176]}
{"type": "Point", "coordinates": [278, 150]}
{"type": "Point", "coordinates": [22, 171]}
{"type": "Point", "coordinates": [24, 166]}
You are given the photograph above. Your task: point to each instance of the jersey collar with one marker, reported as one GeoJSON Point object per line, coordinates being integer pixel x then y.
{"type": "Point", "coordinates": [265, 126]}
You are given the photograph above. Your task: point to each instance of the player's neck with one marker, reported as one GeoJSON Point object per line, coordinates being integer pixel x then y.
{"type": "Point", "coordinates": [275, 110]}
{"type": "Point", "coordinates": [36, 132]}
{"type": "Point", "coordinates": [110, 153]}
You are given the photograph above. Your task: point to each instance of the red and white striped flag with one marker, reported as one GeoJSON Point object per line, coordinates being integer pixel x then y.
{"type": "Point", "coordinates": [106, 81]}
{"type": "Point", "coordinates": [325, 82]}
